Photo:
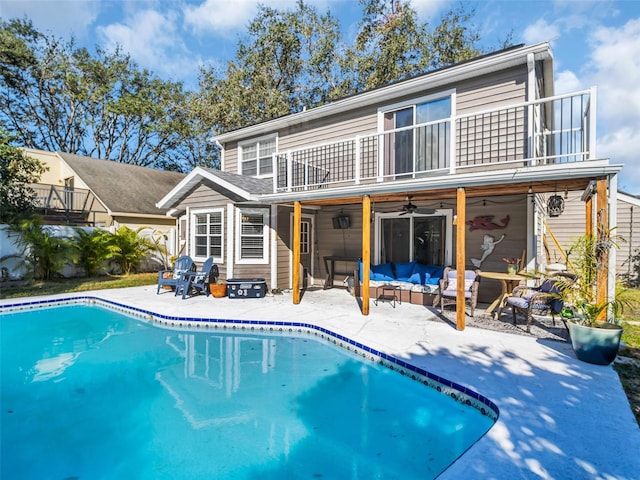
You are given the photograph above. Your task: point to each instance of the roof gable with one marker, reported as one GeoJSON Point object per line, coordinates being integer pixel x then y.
{"type": "Point", "coordinates": [121, 187]}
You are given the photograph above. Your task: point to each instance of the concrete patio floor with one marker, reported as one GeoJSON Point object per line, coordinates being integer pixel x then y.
{"type": "Point", "coordinates": [559, 418]}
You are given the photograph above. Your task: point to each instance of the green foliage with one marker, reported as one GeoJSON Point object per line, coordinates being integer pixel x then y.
{"type": "Point", "coordinates": [129, 249]}
{"type": "Point", "coordinates": [93, 248]}
{"type": "Point", "coordinates": [59, 97]}
{"type": "Point", "coordinates": [585, 258]}
{"type": "Point", "coordinates": [44, 254]}
{"type": "Point", "coordinates": [17, 171]}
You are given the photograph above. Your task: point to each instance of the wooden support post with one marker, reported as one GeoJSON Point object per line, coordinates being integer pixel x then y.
{"type": "Point", "coordinates": [366, 252]}
{"type": "Point", "coordinates": [461, 207]}
{"type": "Point", "coordinates": [588, 214]}
{"type": "Point", "coordinates": [297, 217]}
{"type": "Point", "coordinates": [602, 226]}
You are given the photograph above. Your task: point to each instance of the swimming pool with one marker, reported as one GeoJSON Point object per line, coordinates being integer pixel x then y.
{"type": "Point", "coordinates": [88, 392]}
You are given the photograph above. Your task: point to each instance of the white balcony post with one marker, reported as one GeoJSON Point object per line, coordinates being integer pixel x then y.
{"type": "Point", "coordinates": [381, 150]}
{"type": "Point", "coordinates": [592, 123]}
{"type": "Point", "coordinates": [306, 174]}
{"type": "Point", "coordinates": [289, 171]}
{"type": "Point", "coordinates": [276, 171]}
{"type": "Point", "coordinates": [356, 174]}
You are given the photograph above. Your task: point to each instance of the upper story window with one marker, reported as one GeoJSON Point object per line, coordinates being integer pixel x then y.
{"type": "Point", "coordinates": [256, 156]}
{"type": "Point", "coordinates": [208, 232]}
{"type": "Point", "coordinates": [419, 135]}
{"type": "Point", "coordinates": [252, 235]}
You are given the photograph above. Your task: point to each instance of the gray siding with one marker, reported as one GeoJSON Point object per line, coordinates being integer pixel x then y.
{"type": "Point", "coordinates": [571, 225]}
{"type": "Point", "coordinates": [499, 89]}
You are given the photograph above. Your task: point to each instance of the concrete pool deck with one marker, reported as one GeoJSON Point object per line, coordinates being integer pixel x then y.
{"type": "Point", "coordinates": [560, 418]}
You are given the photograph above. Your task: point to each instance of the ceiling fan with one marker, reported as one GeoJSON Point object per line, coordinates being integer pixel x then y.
{"type": "Point", "coordinates": [411, 208]}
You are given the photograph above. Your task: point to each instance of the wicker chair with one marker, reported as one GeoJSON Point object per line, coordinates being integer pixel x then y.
{"type": "Point", "coordinates": [449, 292]}
{"type": "Point", "coordinates": [545, 299]}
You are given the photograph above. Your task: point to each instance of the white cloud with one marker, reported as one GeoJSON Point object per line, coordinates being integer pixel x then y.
{"type": "Point", "coordinates": [54, 16]}
{"type": "Point", "coordinates": [615, 68]}
{"type": "Point", "coordinates": [226, 16]}
{"type": "Point", "coordinates": [153, 41]}
{"type": "Point", "coordinates": [540, 31]}
{"type": "Point", "coordinates": [566, 82]}
{"type": "Point", "coordinates": [429, 8]}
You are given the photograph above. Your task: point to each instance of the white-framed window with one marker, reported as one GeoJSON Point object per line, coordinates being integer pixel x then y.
{"type": "Point", "coordinates": [256, 156]}
{"type": "Point", "coordinates": [305, 241]}
{"type": "Point", "coordinates": [252, 235]}
{"type": "Point", "coordinates": [419, 134]}
{"type": "Point", "coordinates": [425, 238]}
{"type": "Point", "coordinates": [208, 234]}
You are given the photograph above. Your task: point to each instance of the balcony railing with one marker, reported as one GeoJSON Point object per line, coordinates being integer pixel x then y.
{"type": "Point", "coordinates": [71, 204]}
{"type": "Point", "coordinates": [552, 130]}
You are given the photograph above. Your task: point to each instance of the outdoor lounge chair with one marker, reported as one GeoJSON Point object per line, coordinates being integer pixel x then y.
{"type": "Point", "coordinates": [181, 265]}
{"type": "Point", "coordinates": [540, 300]}
{"type": "Point", "coordinates": [448, 288]}
{"type": "Point", "coordinates": [198, 280]}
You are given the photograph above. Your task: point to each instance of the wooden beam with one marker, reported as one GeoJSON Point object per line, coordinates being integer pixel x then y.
{"type": "Point", "coordinates": [366, 252]}
{"type": "Point", "coordinates": [297, 217]}
{"type": "Point", "coordinates": [461, 207]}
{"type": "Point", "coordinates": [602, 214]}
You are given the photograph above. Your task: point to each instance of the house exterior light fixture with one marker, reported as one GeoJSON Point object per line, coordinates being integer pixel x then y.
{"type": "Point", "coordinates": [555, 205]}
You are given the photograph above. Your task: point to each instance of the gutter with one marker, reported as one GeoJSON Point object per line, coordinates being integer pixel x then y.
{"type": "Point", "coordinates": [557, 172]}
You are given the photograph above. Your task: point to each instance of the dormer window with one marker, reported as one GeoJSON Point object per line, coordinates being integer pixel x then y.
{"type": "Point", "coordinates": [256, 156]}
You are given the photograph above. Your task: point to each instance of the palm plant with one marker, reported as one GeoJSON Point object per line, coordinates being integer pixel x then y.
{"type": "Point", "coordinates": [43, 254]}
{"type": "Point", "coordinates": [93, 248]}
{"type": "Point", "coordinates": [585, 259]}
{"type": "Point", "coordinates": [129, 248]}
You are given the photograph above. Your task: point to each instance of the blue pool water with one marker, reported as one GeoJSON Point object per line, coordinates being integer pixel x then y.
{"type": "Point", "coordinates": [89, 393]}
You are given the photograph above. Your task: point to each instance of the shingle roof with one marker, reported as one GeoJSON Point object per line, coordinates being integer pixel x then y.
{"type": "Point", "coordinates": [123, 187]}
{"type": "Point", "coordinates": [253, 185]}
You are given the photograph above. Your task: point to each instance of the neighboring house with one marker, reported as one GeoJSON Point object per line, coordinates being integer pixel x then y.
{"type": "Point", "coordinates": [448, 168]}
{"type": "Point", "coordinates": [81, 190]}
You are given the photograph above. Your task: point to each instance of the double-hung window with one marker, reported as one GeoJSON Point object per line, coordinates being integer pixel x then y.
{"type": "Point", "coordinates": [256, 156]}
{"type": "Point", "coordinates": [208, 234]}
{"type": "Point", "coordinates": [252, 235]}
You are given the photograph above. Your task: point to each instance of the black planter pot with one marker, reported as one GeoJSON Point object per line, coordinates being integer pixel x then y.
{"type": "Point", "coordinates": [598, 345]}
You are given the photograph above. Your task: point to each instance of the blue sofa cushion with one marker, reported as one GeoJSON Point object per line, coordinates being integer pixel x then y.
{"type": "Point", "coordinates": [382, 272]}
{"type": "Point", "coordinates": [404, 270]}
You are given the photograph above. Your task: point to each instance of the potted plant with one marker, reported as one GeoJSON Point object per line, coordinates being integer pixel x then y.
{"type": "Point", "coordinates": [218, 288]}
{"type": "Point", "coordinates": [594, 338]}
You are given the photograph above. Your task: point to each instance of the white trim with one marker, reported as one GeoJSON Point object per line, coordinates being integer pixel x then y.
{"type": "Point", "coordinates": [312, 245]}
{"type": "Point", "coordinates": [441, 212]}
{"type": "Point", "coordinates": [516, 175]}
{"type": "Point", "coordinates": [192, 250]}
{"type": "Point", "coordinates": [273, 225]}
{"type": "Point", "coordinates": [412, 103]}
{"type": "Point", "coordinates": [265, 236]}
{"type": "Point", "coordinates": [230, 239]}
{"type": "Point", "coordinates": [613, 221]}
{"type": "Point", "coordinates": [251, 141]}
{"type": "Point", "coordinates": [625, 197]}
{"type": "Point", "coordinates": [193, 179]}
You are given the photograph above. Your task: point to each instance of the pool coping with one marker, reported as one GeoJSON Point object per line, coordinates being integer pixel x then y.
{"type": "Point", "coordinates": [457, 392]}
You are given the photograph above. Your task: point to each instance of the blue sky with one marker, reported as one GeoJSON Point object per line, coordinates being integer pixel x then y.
{"type": "Point", "coordinates": [594, 43]}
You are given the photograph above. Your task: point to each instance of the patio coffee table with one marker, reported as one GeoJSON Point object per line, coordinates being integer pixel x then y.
{"type": "Point", "coordinates": [387, 293]}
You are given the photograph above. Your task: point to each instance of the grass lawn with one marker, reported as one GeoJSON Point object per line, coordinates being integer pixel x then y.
{"type": "Point", "coordinates": [629, 372]}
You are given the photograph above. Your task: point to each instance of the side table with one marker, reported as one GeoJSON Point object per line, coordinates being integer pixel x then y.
{"type": "Point", "coordinates": [387, 293]}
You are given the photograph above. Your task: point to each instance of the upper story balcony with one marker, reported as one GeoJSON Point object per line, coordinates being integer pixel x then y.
{"type": "Point", "coordinates": [552, 130]}
{"type": "Point", "coordinates": [61, 204]}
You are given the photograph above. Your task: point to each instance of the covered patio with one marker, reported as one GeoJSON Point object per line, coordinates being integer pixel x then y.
{"type": "Point", "coordinates": [598, 194]}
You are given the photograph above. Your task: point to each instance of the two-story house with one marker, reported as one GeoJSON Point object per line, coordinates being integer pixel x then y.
{"type": "Point", "coordinates": [460, 166]}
